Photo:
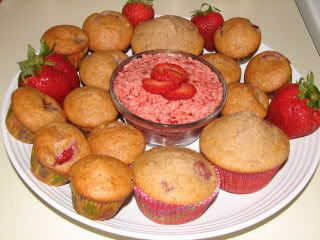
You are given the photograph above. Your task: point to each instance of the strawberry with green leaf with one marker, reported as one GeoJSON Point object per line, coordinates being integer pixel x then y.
{"type": "Point", "coordinates": [295, 108]}
{"type": "Point", "coordinates": [138, 11]}
{"type": "Point", "coordinates": [207, 21]}
{"type": "Point", "coordinates": [50, 73]}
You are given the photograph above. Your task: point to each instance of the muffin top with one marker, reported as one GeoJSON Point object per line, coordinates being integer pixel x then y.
{"type": "Point", "coordinates": [118, 140]}
{"type": "Point", "coordinates": [58, 145]}
{"type": "Point", "coordinates": [35, 109]}
{"type": "Point", "coordinates": [245, 98]}
{"type": "Point", "coordinates": [243, 142]}
{"type": "Point", "coordinates": [175, 175]}
{"type": "Point", "coordinates": [66, 39]}
{"type": "Point", "coordinates": [101, 178]}
{"type": "Point", "coordinates": [89, 106]}
{"type": "Point", "coordinates": [228, 67]}
{"type": "Point", "coordinates": [237, 38]}
{"type": "Point", "coordinates": [97, 68]}
{"type": "Point", "coordinates": [108, 30]}
{"type": "Point", "coordinates": [268, 71]}
{"type": "Point", "coordinates": [167, 32]}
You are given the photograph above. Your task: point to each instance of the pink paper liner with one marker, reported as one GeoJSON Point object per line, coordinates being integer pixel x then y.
{"type": "Point", "coordinates": [163, 213]}
{"type": "Point", "coordinates": [245, 182]}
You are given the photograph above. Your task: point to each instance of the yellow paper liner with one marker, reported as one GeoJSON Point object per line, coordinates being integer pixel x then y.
{"type": "Point", "coordinates": [17, 129]}
{"type": "Point", "coordinates": [93, 209]}
{"type": "Point", "coordinates": [45, 174]}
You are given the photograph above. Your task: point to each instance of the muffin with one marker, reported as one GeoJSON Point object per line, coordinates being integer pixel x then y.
{"type": "Point", "coordinates": [174, 185]}
{"type": "Point", "coordinates": [268, 71]}
{"type": "Point", "coordinates": [97, 68]}
{"type": "Point", "coordinates": [228, 67]}
{"type": "Point", "coordinates": [237, 38]}
{"type": "Point", "coordinates": [88, 106]}
{"type": "Point", "coordinates": [108, 30]}
{"type": "Point", "coordinates": [29, 110]}
{"type": "Point", "coordinates": [117, 139]}
{"type": "Point", "coordinates": [167, 32]}
{"type": "Point", "coordinates": [245, 98]}
{"type": "Point", "coordinates": [56, 147]}
{"type": "Point", "coordinates": [247, 150]}
{"type": "Point", "coordinates": [68, 40]}
{"type": "Point", "coordinates": [99, 186]}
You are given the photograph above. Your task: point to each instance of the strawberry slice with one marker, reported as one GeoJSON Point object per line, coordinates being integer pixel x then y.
{"type": "Point", "coordinates": [158, 87]}
{"type": "Point", "coordinates": [184, 92]}
{"type": "Point", "coordinates": [169, 72]}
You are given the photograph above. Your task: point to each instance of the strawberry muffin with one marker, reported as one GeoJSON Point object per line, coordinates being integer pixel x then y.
{"type": "Point", "coordinates": [99, 186]}
{"type": "Point", "coordinates": [237, 38]}
{"type": "Point", "coordinates": [88, 106]}
{"type": "Point", "coordinates": [245, 98]}
{"type": "Point", "coordinates": [108, 30]}
{"type": "Point", "coordinates": [167, 32]}
{"type": "Point", "coordinates": [268, 71]}
{"type": "Point", "coordinates": [56, 147]}
{"type": "Point", "coordinates": [97, 68]}
{"type": "Point", "coordinates": [247, 150]}
{"type": "Point", "coordinates": [174, 185]}
{"type": "Point", "coordinates": [29, 110]}
{"type": "Point", "coordinates": [117, 139]}
{"type": "Point", "coordinates": [68, 40]}
{"type": "Point", "coordinates": [228, 67]}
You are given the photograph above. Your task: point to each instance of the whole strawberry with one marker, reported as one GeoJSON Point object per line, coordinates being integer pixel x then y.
{"type": "Point", "coordinates": [51, 73]}
{"type": "Point", "coordinates": [295, 108]}
{"type": "Point", "coordinates": [207, 22]}
{"type": "Point", "coordinates": [138, 11]}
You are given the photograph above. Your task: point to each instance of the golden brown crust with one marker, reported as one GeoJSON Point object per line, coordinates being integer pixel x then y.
{"type": "Point", "coordinates": [268, 71]}
{"type": "Point", "coordinates": [244, 98]}
{"type": "Point", "coordinates": [97, 68]}
{"type": "Point", "coordinates": [52, 139]}
{"type": "Point", "coordinates": [228, 67]}
{"type": "Point", "coordinates": [118, 140]}
{"type": "Point", "coordinates": [167, 32]}
{"type": "Point", "coordinates": [34, 109]}
{"type": "Point", "coordinates": [175, 175]}
{"type": "Point", "coordinates": [66, 39]}
{"type": "Point", "coordinates": [101, 178]}
{"type": "Point", "coordinates": [108, 30]}
{"type": "Point", "coordinates": [237, 38]}
{"type": "Point", "coordinates": [89, 106]}
{"type": "Point", "coordinates": [244, 143]}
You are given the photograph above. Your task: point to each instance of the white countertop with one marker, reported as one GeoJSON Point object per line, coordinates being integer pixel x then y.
{"type": "Point", "coordinates": [25, 216]}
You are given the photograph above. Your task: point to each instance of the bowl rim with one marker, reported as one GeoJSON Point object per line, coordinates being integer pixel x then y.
{"type": "Point", "coordinates": [124, 110]}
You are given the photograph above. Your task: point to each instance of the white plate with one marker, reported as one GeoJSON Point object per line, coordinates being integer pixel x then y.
{"type": "Point", "coordinates": [229, 212]}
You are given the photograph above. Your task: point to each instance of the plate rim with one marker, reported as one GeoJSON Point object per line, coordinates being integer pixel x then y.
{"type": "Point", "coordinates": [97, 225]}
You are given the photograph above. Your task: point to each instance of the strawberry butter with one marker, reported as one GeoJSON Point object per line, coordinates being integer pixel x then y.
{"type": "Point", "coordinates": [128, 88]}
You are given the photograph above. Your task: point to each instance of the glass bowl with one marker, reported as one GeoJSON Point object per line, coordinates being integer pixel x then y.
{"type": "Point", "coordinates": [157, 133]}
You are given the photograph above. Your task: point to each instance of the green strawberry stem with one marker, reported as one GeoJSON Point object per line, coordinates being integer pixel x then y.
{"type": "Point", "coordinates": [309, 91]}
{"type": "Point", "coordinates": [34, 62]}
{"type": "Point", "coordinates": [145, 2]}
{"type": "Point", "coordinates": [202, 12]}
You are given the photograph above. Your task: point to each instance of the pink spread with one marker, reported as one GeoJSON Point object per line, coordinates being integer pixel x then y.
{"type": "Point", "coordinates": [128, 88]}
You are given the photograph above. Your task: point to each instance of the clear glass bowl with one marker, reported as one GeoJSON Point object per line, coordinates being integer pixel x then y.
{"type": "Point", "coordinates": [166, 134]}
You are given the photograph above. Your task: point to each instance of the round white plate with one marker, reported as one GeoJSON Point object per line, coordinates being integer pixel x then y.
{"type": "Point", "coordinates": [229, 212]}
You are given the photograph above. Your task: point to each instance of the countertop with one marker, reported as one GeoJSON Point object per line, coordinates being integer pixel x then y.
{"type": "Point", "coordinates": [25, 216]}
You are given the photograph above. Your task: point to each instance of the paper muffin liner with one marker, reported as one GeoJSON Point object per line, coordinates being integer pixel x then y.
{"type": "Point", "coordinates": [236, 182]}
{"type": "Point", "coordinates": [170, 214]}
{"type": "Point", "coordinates": [45, 174]}
{"type": "Point", "coordinates": [17, 129]}
{"type": "Point", "coordinates": [93, 209]}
